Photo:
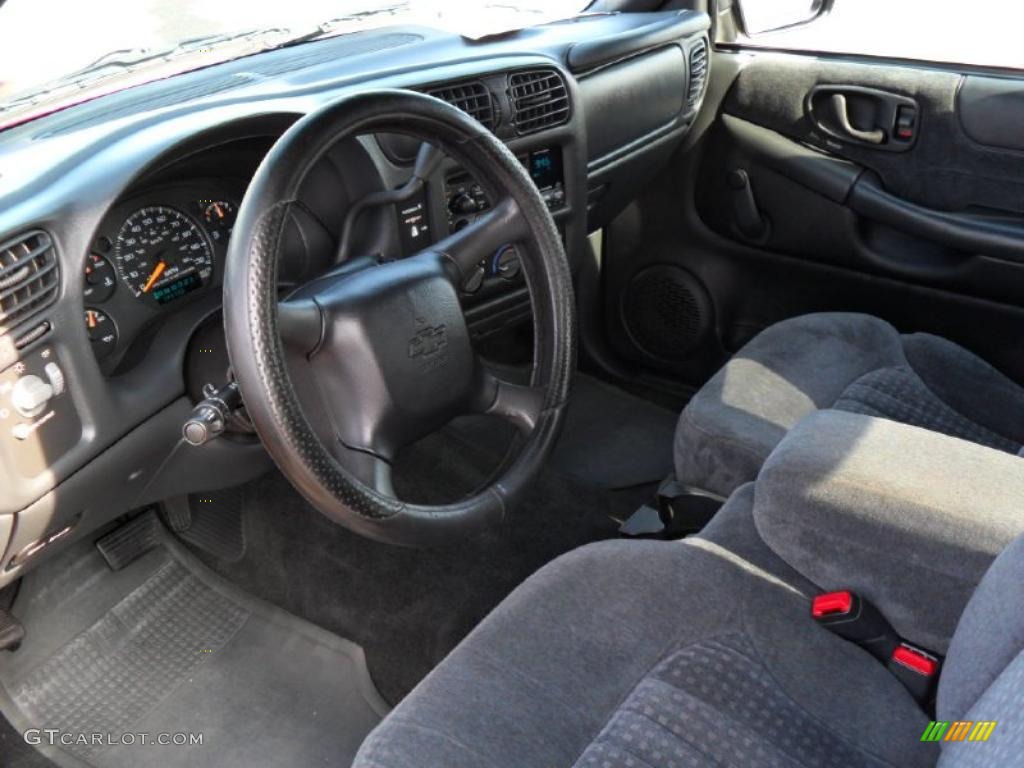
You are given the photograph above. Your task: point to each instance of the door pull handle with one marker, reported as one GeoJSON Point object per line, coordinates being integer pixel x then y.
{"type": "Point", "coordinates": [876, 136]}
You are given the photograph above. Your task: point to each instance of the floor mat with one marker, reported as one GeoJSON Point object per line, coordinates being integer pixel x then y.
{"type": "Point", "coordinates": [165, 647]}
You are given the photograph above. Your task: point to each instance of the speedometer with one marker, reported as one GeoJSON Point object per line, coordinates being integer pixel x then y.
{"type": "Point", "coordinates": [162, 254]}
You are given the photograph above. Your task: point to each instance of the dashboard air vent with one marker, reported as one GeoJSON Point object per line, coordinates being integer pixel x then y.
{"type": "Point", "coordinates": [471, 97]}
{"type": "Point", "coordinates": [28, 277]}
{"type": "Point", "coordinates": [698, 73]}
{"type": "Point", "coordinates": [539, 100]}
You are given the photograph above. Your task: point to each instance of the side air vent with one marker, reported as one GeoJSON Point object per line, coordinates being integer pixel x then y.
{"type": "Point", "coordinates": [471, 97]}
{"type": "Point", "coordinates": [698, 73]}
{"type": "Point", "coordinates": [539, 100]}
{"type": "Point", "coordinates": [28, 277]}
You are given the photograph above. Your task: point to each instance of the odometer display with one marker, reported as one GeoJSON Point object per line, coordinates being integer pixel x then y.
{"type": "Point", "coordinates": [162, 254]}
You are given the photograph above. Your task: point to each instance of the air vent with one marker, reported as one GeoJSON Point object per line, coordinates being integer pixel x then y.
{"type": "Point", "coordinates": [539, 100]}
{"type": "Point", "coordinates": [471, 97]}
{"type": "Point", "coordinates": [28, 277]}
{"type": "Point", "coordinates": [698, 73]}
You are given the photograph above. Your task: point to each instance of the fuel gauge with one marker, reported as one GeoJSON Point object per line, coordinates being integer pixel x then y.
{"type": "Point", "coordinates": [219, 217]}
{"type": "Point", "coordinates": [102, 332]}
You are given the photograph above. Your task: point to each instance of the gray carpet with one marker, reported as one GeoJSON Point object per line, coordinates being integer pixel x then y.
{"type": "Point", "coordinates": [409, 608]}
{"type": "Point", "coordinates": [165, 646]}
{"type": "Point", "coordinates": [613, 440]}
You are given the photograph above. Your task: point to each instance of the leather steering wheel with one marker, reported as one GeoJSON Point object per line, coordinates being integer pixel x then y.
{"type": "Point", "coordinates": [385, 351]}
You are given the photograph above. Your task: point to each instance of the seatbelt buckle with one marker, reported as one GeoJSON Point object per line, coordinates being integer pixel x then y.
{"type": "Point", "coordinates": [859, 621]}
{"type": "Point", "coordinates": [916, 669]}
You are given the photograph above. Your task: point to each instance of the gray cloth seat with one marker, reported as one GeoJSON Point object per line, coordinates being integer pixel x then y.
{"type": "Point", "coordinates": [849, 362]}
{"type": "Point", "coordinates": [662, 655]}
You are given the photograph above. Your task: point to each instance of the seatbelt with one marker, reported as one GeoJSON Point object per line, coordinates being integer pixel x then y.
{"type": "Point", "coordinates": [853, 618]}
{"type": "Point", "coordinates": [676, 511]}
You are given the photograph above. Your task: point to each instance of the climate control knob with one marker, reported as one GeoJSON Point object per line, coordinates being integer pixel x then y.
{"type": "Point", "coordinates": [30, 395]}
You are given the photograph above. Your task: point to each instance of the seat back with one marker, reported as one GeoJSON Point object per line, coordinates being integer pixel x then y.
{"type": "Point", "coordinates": [983, 678]}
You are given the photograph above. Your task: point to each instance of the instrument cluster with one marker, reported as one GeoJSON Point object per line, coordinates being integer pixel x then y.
{"type": "Point", "coordinates": [154, 251]}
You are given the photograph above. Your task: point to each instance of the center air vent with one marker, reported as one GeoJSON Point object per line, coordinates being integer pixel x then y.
{"type": "Point", "coordinates": [471, 97]}
{"type": "Point", "coordinates": [539, 100]}
{"type": "Point", "coordinates": [28, 277]}
{"type": "Point", "coordinates": [698, 73]}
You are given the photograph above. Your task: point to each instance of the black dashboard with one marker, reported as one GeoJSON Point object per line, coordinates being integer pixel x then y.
{"type": "Point", "coordinates": [115, 218]}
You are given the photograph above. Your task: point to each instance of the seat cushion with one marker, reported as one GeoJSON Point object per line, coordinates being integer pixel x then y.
{"type": "Point", "coordinates": [846, 361]}
{"type": "Point", "coordinates": [654, 654]}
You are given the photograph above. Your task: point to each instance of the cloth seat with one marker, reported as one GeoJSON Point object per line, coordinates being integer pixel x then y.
{"type": "Point", "coordinates": [845, 361]}
{"type": "Point", "coordinates": [656, 654]}
{"type": "Point", "coordinates": [699, 653]}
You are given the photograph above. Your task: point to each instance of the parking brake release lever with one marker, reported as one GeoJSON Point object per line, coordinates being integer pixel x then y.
{"type": "Point", "coordinates": [209, 418]}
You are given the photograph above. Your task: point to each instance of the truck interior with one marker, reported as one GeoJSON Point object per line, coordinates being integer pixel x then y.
{"type": "Point", "coordinates": [635, 386]}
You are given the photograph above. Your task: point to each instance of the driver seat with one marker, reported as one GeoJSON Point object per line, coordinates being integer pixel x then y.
{"type": "Point", "coordinates": [681, 654]}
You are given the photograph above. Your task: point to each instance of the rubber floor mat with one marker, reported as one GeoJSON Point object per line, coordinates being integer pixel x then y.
{"type": "Point", "coordinates": [166, 649]}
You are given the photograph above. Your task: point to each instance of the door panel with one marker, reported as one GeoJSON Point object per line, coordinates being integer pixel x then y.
{"type": "Point", "coordinates": [790, 204]}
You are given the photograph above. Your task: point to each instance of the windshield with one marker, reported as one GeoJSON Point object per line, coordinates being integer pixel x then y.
{"type": "Point", "coordinates": [52, 51]}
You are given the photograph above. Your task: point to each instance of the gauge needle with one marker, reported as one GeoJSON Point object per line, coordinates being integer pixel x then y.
{"type": "Point", "coordinates": [90, 316]}
{"type": "Point", "coordinates": [157, 271]}
{"type": "Point", "coordinates": [220, 212]}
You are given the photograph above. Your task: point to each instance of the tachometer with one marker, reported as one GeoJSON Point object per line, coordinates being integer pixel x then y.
{"type": "Point", "coordinates": [162, 254]}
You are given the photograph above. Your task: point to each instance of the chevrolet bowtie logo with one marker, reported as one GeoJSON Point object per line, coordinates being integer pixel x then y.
{"type": "Point", "coordinates": [428, 341]}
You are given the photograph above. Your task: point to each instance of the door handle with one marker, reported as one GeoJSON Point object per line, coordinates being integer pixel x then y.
{"type": "Point", "coordinates": [839, 109]}
{"type": "Point", "coordinates": [835, 110]}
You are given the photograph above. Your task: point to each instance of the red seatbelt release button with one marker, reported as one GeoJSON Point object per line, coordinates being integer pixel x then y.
{"type": "Point", "coordinates": [915, 660]}
{"type": "Point", "coordinates": [832, 604]}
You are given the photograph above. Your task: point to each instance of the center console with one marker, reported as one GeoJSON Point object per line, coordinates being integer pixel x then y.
{"type": "Point", "coordinates": [909, 518]}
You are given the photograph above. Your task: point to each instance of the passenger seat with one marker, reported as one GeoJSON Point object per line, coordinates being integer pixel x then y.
{"type": "Point", "coordinates": [845, 361]}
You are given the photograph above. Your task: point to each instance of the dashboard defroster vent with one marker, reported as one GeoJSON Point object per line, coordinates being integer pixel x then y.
{"type": "Point", "coordinates": [28, 277]}
{"type": "Point", "coordinates": [539, 100]}
{"type": "Point", "coordinates": [698, 73]}
{"type": "Point", "coordinates": [471, 97]}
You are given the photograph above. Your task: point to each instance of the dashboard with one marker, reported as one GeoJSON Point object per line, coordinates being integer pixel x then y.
{"type": "Point", "coordinates": [115, 217]}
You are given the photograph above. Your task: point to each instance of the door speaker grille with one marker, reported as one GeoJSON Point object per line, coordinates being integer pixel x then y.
{"type": "Point", "coordinates": [667, 312]}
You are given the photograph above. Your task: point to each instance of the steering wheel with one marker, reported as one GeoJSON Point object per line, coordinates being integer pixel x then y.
{"type": "Point", "coordinates": [382, 356]}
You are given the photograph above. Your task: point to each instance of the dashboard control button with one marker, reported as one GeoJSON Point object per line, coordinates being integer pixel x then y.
{"type": "Point", "coordinates": [30, 395]}
{"type": "Point", "coordinates": [56, 378]}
